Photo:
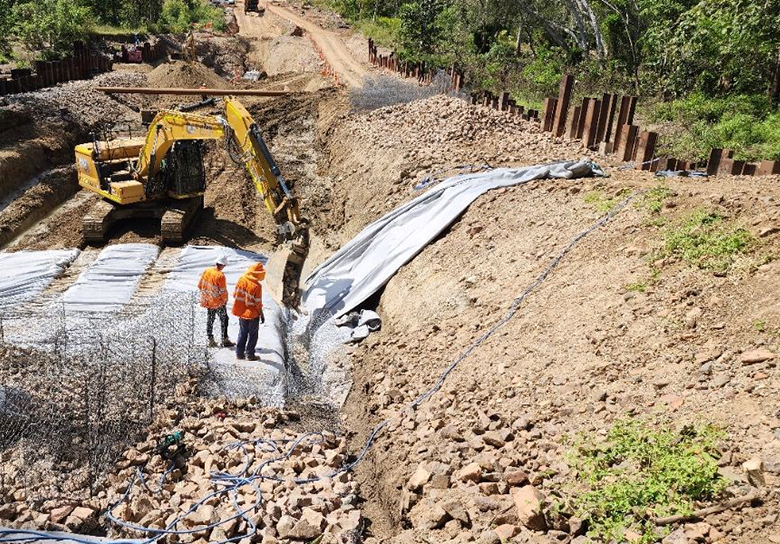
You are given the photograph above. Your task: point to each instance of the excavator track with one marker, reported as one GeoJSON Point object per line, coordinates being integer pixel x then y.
{"type": "Point", "coordinates": [178, 218]}
{"type": "Point", "coordinates": [98, 221]}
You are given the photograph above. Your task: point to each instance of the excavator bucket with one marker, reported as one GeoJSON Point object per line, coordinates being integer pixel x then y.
{"type": "Point", "coordinates": [283, 274]}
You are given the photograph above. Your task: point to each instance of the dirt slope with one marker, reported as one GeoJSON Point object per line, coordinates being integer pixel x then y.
{"type": "Point", "coordinates": [584, 350]}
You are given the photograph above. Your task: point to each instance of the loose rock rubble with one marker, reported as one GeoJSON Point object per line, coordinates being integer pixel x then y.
{"type": "Point", "coordinates": [326, 507]}
{"type": "Point", "coordinates": [80, 103]}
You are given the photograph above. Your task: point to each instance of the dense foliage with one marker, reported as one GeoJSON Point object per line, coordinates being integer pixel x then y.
{"type": "Point", "coordinates": [703, 56]}
{"type": "Point", "coordinates": [47, 28]}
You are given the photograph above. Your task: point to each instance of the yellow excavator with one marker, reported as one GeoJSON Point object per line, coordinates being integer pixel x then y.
{"type": "Point", "coordinates": [161, 175]}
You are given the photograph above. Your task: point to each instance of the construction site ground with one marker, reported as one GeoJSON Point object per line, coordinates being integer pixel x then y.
{"type": "Point", "coordinates": [615, 330]}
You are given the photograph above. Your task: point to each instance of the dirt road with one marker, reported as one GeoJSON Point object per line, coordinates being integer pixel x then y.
{"type": "Point", "coordinates": [351, 72]}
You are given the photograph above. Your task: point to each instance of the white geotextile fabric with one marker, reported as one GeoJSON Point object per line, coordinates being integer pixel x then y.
{"type": "Point", "coordinates": [369, 260]}
{"type": "Point", "coordinates": [110, 282]}
{"type": "Point", "coordinates": [24, 274]}
{"type": "Point", "coordinates": [193, 260]}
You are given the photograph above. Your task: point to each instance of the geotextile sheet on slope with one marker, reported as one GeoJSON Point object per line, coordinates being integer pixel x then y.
{"type": "Point", "coordinates": [369, 260]}
{"type": "Point", "coordinates": [24, 274]}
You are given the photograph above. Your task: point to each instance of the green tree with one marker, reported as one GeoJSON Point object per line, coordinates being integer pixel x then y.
{"type": "Point", "coordinates": [51, 26]}
{"type": "Point", "coordinates": [717, 46]}
{"type": "Point", "coordinates": [6, 24]}
{"type": "Point", "coordinates": [419, 33]}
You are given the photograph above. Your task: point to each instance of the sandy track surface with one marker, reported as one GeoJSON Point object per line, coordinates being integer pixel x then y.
{"type": "Point", "coordinates": [336, 52]}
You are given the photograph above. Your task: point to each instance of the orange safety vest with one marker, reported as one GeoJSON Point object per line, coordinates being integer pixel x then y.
{"type": "Point", "coordinates": [248, 296]}
{"type": "Point", "coordinates": [213, 289]}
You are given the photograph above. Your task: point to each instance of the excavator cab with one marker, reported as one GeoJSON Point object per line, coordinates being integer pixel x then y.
{"type": "Point", "coordinates": [181, 172]}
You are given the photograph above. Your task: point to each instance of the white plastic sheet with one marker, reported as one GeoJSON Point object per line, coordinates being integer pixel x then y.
{"type": "Point", "coordinates": [111, 281]}
{"type": "Point", "coordinates": [370, 259]}
{"type": "Point", "coordinates": [24, 274]}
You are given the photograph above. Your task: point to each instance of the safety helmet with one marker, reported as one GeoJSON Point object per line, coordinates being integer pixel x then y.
{"type": "Point", "coordinates": [256, 272]}
{"type": "Point", "coordinates": [222, 259]}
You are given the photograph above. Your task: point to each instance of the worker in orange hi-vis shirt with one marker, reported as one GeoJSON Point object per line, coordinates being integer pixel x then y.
{"type": "Point", "coordinates": [248, 307]}
{"type": "Point", "coordinates": [214, 297]}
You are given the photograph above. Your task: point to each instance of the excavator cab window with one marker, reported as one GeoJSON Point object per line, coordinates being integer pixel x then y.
{"type": "Point", "coordinates": [182, 172]}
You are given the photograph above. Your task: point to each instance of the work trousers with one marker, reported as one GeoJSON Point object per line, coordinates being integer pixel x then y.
{"type": "Point", "coordinates": [247, 336]}
{"type": "Point", "coordinates": [223, 321]}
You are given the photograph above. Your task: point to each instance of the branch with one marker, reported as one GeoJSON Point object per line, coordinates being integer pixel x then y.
{"type": "Point", "coordinates": [704, 512]}
{"type": "Point", "coordinates": [554, 29]}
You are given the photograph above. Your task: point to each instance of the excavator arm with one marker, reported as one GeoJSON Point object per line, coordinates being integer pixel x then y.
{"type": "Point", "coordinates": [262, 168]}
{"type": "Point", "coordinates": [245, 145]}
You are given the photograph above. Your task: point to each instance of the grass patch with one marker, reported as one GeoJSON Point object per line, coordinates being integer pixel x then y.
{"type": "Point", "coordinates": [759, 325]}
{"type": "Point", "coordinates": [383, 30]}
{"type": "Point", "coordinates": [636, 287]}
{"type": "Point", "coordinates": [745, 123]}
{"type": "Point", "coordinates": [602, 203]}
{"type": "Point", "coordinates": [653, 200]}
{"type": "Point", "coordinates": [706, 240]}
{"type": "Point", "coordinates": [642, 472]}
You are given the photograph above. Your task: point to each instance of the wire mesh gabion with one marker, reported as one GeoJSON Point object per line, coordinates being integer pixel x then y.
{"type": "Point", "coordinates": [77, 388]}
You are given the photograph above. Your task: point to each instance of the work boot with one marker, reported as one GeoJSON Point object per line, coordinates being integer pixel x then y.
{"type": "Point", "coordinates": [240, 356]}
{"type": "Point", "coordinates": [226, 343]}
{"type": "Point", "coordinates": [212, 342]}
{"type": "Point", "coordinates": [252, 358]}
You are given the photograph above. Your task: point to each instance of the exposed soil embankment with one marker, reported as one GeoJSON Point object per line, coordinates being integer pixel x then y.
{"type": "Point", "coordinates": [46, 191]}
{"type": "Point", "coordinates": [614, 331]}
{"type": "Point", "coordinates": [37, 136]}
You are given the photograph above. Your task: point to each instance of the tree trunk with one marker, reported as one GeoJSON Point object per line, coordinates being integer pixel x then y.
{"type": "Point", "coordinates": [601, 48]}
{"type": "Point", "coordinates": [774, 92]}
{"type": "Point", "coordinates": [577, 16]}
{"type": "Point", "coordinates": [519, 41]}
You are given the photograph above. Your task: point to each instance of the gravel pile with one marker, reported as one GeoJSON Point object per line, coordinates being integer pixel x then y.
{"type": "Point", "coordinates": [188, 75]}
{"type": "Point", "coordinates": [438, 128]}
{"type": "Point", "coordinates": [81, 103]}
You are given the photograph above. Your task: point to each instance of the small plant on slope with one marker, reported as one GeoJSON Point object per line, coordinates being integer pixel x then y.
{"type": "Point", "coordinates": [603, 204]}
{"type": "Point", "coordinates": [706, 240]}
{"type": "Point", "coordinates": [653, 200]}
{"type": "Point", "coordinates": [640, 473]}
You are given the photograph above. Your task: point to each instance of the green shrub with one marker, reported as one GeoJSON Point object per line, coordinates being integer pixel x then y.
{"type": "Point", "coordinates": [707, 241]}
{"type": "Point", "coordinates": [383, 30]}
{"type": "Point", "coordinates": [742, 123]}
{"type": "Point", "coordinates": [179, 15]}
{"type": "Point", "coordinates": [544, 73]}
{"type": "Point", "coordinates": [642, 472]}
{"type": "Point", "coordinates": [51, 26]}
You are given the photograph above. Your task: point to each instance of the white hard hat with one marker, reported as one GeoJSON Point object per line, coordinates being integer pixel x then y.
{"type": "Point", "coordinates": [222, 259]}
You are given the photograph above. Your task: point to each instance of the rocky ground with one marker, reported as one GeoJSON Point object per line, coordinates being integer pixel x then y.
{"type": "Point", "coordinates": [290, 483]}
{"type": "Point", "coordinates": [586, 349]}
{"type": "Point", "coordinates": [621, 328]}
